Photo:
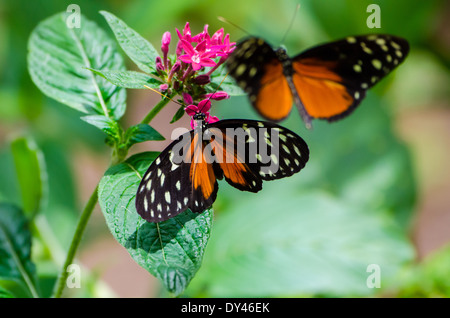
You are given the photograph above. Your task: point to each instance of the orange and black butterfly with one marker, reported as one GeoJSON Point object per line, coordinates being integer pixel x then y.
{"type": "Point", "coordinates": [244, 152]}
{"type": "Point", "coordinates": [326, 82]}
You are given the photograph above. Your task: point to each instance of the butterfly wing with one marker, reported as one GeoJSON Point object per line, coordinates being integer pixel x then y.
{"type": "Point", "coordinates": [258, 71]}
{"type": "Point", "coordinates": [332, 79]}
{"type": "Point", "coordinates": [245, 152]}
{"type": "Point", "coordinates": [178, 179]}
{"type": "Point", "coordinates": [260, 151]}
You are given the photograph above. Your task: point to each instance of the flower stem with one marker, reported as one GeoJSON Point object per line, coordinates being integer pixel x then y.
{"type": "Point", "coordinates": [85, 215]}
{"type": "Point", "coordinates": [155, 110]}
{"type": "Point", "coordinates": [61, 282]}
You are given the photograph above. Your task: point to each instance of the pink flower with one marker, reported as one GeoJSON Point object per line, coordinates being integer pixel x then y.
{"type": "Point", "coordinates": [203, 107]}
{"type": "Point", "coordinates": [186, 33]}
{"type": "Point", "coordinates": [197, 57]}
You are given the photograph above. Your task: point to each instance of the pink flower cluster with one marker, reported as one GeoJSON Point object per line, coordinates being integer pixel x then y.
{"type": "Point", "coordinates": [194, 53]}
{"type": "Point", "coordinates": [202, 48]}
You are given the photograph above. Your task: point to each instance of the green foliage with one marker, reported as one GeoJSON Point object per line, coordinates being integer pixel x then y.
{"type": "Point", "coordinates": [429, 279]}
{"type": "Point", "coordinates": [15, 249]}
{"type": "Point", "coordinates": [31, 174]}
{"type": "Point", "coordinates": [317, 232]}
{"type": "Point", "coordinates": [171, 250]}
{"type": "Point", "coordinates": [137, 48]}
{"type": "Point", "coordinates": [129, 79]}
{"type": "Point", "coordinates": [313, 234]}
{"type": "Point", "coordinates": [67, 53]}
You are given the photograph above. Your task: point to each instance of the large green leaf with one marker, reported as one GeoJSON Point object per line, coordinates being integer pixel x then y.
{"type": "Point", "coordinates": [135, 46]}
{"type": "Point", "coordinates": [171, 250]}
{"type": "Point", "coordinates": [316, 233]}
{"type": "Point", "coordinates": [58, 61]}
{"type": "Point", "coordinates": [15, 248]}
{"type": "Point", "coordinates": [31, 174]}
{"type": "Point", "coordinates": [312, 244]}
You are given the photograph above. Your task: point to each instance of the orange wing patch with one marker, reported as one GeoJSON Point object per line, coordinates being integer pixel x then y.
{"type": "Point", "coordinates": [201, 171]}
{"type": "Point", "coordinates": [274, 99]}
{"type": "Point", "coordinates": [233, 167]}
{"type": "Point", "coordinates": [320, 89]}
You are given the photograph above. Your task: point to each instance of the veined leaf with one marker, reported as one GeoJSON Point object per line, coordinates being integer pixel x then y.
{"type": "Point", "coordinates": [31, 174]}
{"type": "Point", "coordinates": [140, 133]}
{"type": "Point", "coordinates": [109, 126]}
{"type": "Point", "coordinates": [129, 79]}
{"type": "Point", "coordinates": [171, 250]}
{"type": "Point", "coordinates": [58, 59]}
{"type": "Point", "coordinates": [135, 46]}
{"type": "Point", "coordinates": [180, 112]}
{"type": "Point", "coordinates": [15, 248]}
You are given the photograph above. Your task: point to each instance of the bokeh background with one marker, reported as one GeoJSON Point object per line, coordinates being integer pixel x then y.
{"type": "Point", "coordinates": [376, 189]}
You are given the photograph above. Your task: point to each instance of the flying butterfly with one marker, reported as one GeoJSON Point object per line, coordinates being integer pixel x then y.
{"type": "Point", "coordinates": [325, 82]}
{"type": "Point", "coordinates": [244, 152]}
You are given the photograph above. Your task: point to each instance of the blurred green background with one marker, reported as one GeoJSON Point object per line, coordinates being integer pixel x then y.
{"type": "Point", "coordinates": [375, 189]}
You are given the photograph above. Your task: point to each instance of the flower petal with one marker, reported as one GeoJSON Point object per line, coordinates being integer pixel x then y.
{"type": "Point", "coordinates": [204, 106]}
{"type": "Point", "coordinates": [207, 62]}
{"type": "Point", "coordinates": [212, 119]}
{"type": "Point", "coordinates": [191, 110]}
{"type": "Point", "coordinates": [187, 47]}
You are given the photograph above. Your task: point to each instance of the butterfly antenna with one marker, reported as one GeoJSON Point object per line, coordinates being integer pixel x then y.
{"type": "Point", "coordinates": [176, 102]}
{"type": "Point", "coordinates": [215, 91]}
{"type": "Point", "coordinates": [233, 24]}
{"type": "Point", "coordinates": [290, 24]}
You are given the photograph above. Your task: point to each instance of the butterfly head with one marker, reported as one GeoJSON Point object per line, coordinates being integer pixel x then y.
{"type": "Point", "coordinates": [281, 53]}
{"type": "Point", "coordinates": [199, 116]}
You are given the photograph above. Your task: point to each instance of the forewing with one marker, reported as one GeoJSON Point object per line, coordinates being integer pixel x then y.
{"type": "Point", "coordinates": [332, 79]}
{"type": "Point", "coordinates": [258, 71]}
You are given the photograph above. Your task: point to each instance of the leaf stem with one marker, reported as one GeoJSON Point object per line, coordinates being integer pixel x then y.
{"type": "Point", "coordinates": [155, 110]}
{"type": "Point", "coordinates": [61, 282]}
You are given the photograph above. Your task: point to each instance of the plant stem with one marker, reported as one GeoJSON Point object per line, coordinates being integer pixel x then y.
{"type": "Point", "coordinates": [155, 110]}
{"type": "Point", "coordinates": [61, 282]}
{"type": "Point", "coordinates": [82, 222]}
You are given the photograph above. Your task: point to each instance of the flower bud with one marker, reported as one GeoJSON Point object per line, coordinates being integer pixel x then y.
{"type": "Point", "coordinates": [187, 98]}
{"type": "Point", "coordinates": [165, 42]}
{"type": "Point", "coordinates": [219, 95]}
{"type": "Point", "coordinates": [202, 79]}
{"type": "Point", "coordinates": [163, 87]}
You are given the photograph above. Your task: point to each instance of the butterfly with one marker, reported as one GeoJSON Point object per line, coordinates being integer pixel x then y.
{"type": "Point", "coordinates": [326, 82]}
{"type": "Point", "coordinates": [244, 152]}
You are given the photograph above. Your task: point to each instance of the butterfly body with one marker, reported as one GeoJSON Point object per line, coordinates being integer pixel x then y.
{"type": "Point", "coordinates": [244, 152]}
{"type": "Point", "coordinates": [326, 82]}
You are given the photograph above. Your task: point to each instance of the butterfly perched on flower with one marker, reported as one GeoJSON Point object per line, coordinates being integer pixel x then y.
{"type": "Point", "coordinates": [326, 82]}
{"type": "Point", "coordinates": [244, 152]}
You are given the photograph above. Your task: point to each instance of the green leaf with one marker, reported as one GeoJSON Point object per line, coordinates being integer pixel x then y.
{"type": "Point", "coordinates": [15, 247]}
{"type": "Point", "coordinates": [314, 244]}
{"type": "Point", "coordinates": [135, 46]}
{"type": "Point", "coordinates": [315, 233]}
{"type": "Point", "coordinates": [31, 174]}
{"type": "Point", "coordinates": [129, 79]}
{"type": "Point", "coordinates": [178, 115]}
{"type": "Point", "coordinates": [171, 250]}
{"type": "Point", "coordinates": [5, 293]}
{"type": "Point", "coordinates": [58, 59]}
{"type": "Point", "coordinates": [106, 124]}
{"type": "Point", "coordinates": [140, 133]}
{"type": "Point", "coordinates": [221, 81]}
{"type": "Point", "coordinates": [429, 278]}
